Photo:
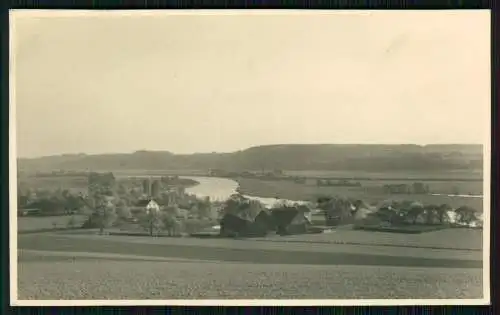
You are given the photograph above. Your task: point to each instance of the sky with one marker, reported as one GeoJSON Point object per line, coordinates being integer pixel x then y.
{"type": "Point", "coordinates": [185, 82]}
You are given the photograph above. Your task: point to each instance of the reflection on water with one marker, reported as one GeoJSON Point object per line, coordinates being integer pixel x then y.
{"type": "Point", "coordinates": [464, 196]}
{"type": "Point", "coordinates": [218, 189]}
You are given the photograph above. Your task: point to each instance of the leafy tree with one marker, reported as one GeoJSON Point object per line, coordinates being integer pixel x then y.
{"type": "Point", "coordinates": [103, 184]}
{"type": "Point", "coordinates": [74, 202]}
{"type": "Point", "coordinates": [466, 215]}
{"type": "Point", "coordinates": [204, 209]}
{"type": "Point", "coordinates": [22, 201]}
{"type": "Point", "coordinates": [105, 214]}
{"type": "Point", "coordinates": [123, 211]}
{"type": "Point", "coordinates": [336, 210]}
{"type": "Point", "coordinates": [49, 205]}
{"type": "Point", "coordinates": [71, 222]}
{"type": "Point", "coordinates": [122, 191]}
{"type": "Point", "coordinates": [170, 224]}
{"type": "Point", "coordinates": [442, 212]}
{"type": "Point", "coordinates": [413, 213]}
{"type": "Point", "coordinates": [173, 211]}
{"type": "Point", "coordinates": [431, 213]}
{"type": "Point", "coordinates": [151, 221]}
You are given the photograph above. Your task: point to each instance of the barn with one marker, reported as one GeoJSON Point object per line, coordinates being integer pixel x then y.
{"type": "Point", "coordinates": [246, 219]}
{"type": "Point", "coordinates": [291, 220]}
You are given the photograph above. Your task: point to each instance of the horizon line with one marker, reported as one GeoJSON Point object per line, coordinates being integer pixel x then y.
{"type": "Point", "coordinates": [256, 146]}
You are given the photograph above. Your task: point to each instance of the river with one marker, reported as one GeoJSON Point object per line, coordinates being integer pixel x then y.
{"type": "Point", "coordinates": [220, 189]}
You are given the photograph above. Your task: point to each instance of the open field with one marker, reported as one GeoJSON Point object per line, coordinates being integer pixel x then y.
{"type": "Point", "coordinates": [476, 175]}
{"type": "Point", "coordinates": [131, 173]}
{"type": "Point", "coordinates": [99, 278]}
{"type": "Point", "coordinates": [253, 251]}
{"type": "Point", "coordinates": [73, 183]}
{"type": "Point", "coordinates": [435, 186]}
{"type": "Point", "coordinates": [465, 239]}
{"type": "Point", "coordinates": [296, 191]}
{"type": "Point", "coordinates": [80, 264]}
{"type": "Point", "coordinates": [458, 239]}
{"type": "Point", "coordinates": [25, 224]}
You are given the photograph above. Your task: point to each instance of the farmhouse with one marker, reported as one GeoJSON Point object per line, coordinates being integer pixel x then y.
{"type": "Point", "coordinates": [243, 217]}
{"type": "Point", "coordinates": [145, 205]}
{"type": "Point", "coordinates": [291, 220]}
{"type": "Point", "coordinates": [241, 224]}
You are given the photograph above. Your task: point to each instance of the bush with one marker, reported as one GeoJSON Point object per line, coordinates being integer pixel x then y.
{"type": "Point", "coordinates": [193, 225]}
{"type": "Point", "coordinates": [123, 212]}
{"type": "Point", "coordinates": [71, 222]}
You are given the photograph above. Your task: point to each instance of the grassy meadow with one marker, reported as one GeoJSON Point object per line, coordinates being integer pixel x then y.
{"type": "Point", "coordinates": [370, 191]}
{"type": "Point", "coordinates": [458, 175]}
{"type": "Point", "coordinates": [27, 224]}
{"type": "Point", "coordinates": [72, 183]}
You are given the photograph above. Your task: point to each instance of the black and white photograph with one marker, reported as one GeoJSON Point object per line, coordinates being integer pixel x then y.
{"type": "Point", "coordinates": [249, 157]}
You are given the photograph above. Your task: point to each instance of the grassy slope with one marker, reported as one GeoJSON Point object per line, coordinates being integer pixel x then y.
{"type": "Point", "coordinates": [250, 251]}
{"type": "Point", "coordinates": [40, 223]}
{"type": "Point", "coordinates": [460, 239]}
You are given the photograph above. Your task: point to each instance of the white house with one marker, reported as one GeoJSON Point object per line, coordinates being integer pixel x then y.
{"type": "Point", "coordinates": [146, 205]}
{"type": "Point", "coordinates": [152, 206]}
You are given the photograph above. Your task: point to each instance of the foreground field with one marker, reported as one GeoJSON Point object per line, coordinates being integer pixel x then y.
{"type": "Point", "coordinates": [66, 277]}
{"type": "Point", "coordinates": [84, 265]}
{"type": "Point", "coordinates": [308, 191]}
{"type": "Point", "coordinates": [255, 251]}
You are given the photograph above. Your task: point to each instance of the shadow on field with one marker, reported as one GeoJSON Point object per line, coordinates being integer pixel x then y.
{"type": "Point", "coordinates": [32, 257]}
{"type": "Point", "coordinates": [58, 243]}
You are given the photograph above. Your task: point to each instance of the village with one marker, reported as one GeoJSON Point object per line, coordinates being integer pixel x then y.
{"type": "Point", "coordinates": [161, 207]}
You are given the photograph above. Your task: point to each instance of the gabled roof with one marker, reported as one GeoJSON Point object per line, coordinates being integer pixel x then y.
{"type": "Point", "coordinates": [247, 210]}
{"type": "Point", "coordinates": [290, 215]}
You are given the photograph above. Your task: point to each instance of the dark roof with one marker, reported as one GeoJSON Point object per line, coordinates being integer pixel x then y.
{"type": "Point", "coordinates": [244, 209]}
{"type": "Point", "coordinates": [288, 215]}
{"type": "Point", "coordinates": [249, 216]}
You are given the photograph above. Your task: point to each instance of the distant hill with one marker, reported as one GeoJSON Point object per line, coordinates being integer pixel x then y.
{"type": "Point", "coordinates": [284, 157]}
